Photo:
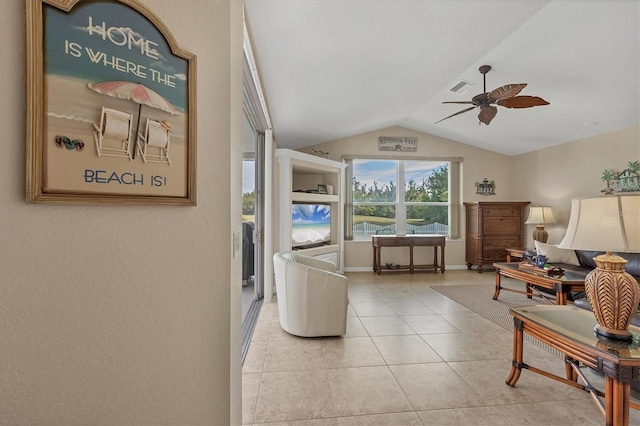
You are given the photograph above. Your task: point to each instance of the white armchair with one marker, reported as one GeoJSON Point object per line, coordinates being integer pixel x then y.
{"type": "Point", "coordinates": [312, 298]}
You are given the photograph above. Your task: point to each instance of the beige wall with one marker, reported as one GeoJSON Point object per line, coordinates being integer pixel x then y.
{"type": "Point", "coordinates": [549, 176]}
{"type": "Point", "coordinates": [477, 164]}
{"type": "Point", "coordinates": [553, 176]}
{"type": "Point", "coordinates": [121, 314]}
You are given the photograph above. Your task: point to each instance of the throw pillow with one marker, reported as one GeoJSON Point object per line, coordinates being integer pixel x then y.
{"type": "Point", "coordinates": [557, 255]}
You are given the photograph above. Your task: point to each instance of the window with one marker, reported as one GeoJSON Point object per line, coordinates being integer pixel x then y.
{"type": "Point", "coordinates": [402, 197]}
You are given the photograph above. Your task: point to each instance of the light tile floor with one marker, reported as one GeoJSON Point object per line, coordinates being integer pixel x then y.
{"type": "Point", "coordinates": [411, 356]}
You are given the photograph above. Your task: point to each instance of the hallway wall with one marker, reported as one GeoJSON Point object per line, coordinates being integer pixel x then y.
{"type": "Point", "coordinates": [126, 314]}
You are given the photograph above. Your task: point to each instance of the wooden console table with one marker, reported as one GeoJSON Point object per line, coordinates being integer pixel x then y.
{"type": "Point", "coordinates": [411, 241]}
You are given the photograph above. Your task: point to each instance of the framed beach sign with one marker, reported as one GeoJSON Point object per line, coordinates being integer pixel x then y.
{"type": "Point", "coordinates": [111, 113]}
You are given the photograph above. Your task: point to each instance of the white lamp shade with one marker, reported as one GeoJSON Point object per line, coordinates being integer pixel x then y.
{"type": "Point", "coordinates": [609, 223]}
{"type": "Point", "coordinates": [540, 215]}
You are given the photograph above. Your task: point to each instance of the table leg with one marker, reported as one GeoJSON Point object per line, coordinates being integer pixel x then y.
{"type": "Point", "coordinates": [378, 264]}
{"type": "Point", "coordinates": [528, 290]}
{"type": "Point", "coordinates": [497, 292]}
{"type": "Point", "coordinates": [411, 259]}
{"type": "Point", "coordinates": [617, 395]}
{"type": "Point", "coordinates": [561, 298]}
{"type": "Point", "coordinates": [516, 363]}
{"type": "Point", "coordinates": [435, 258]}
{"type": "Point", "coordinates": [442, 258]}
{"type": "Point", "coordinates": [375, 269]}
{"type": "Point", "coordinates": [571, 373]}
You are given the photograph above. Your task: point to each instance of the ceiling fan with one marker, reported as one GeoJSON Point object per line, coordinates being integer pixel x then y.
{"type": "Point", "coordinates": [504, 96]}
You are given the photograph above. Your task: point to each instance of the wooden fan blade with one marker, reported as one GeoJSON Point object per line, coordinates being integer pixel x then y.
{"type": "Point", "coordinates": [487, 113]}
{"type": "Point", "coordinates": [522, 102]}
{"type": "Point", "coordinates": [458, 102]}
{"type": "Point", "coordinates": [457, 113]}
{"type": "Point", "coordinates": [507, 91]}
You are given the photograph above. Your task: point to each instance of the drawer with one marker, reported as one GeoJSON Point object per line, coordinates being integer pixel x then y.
{"type": "Point", "coordinates": [506, 225]}
{"type": "Point", "coordinates": [495, 255]}
{"type": "Point", "coordinates": [501, 211]}
{"type": "Point", "coordinates": [501, 243]}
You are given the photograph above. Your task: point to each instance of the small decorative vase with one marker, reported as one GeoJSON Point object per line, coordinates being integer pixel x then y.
{"type": "Point", "coordinates": [541, 261]}
{"type": "Point", "coordinates": [614, 295]}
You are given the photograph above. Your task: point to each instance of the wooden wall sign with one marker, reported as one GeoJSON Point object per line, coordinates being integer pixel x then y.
{"type": "Point", "coordinates": [111, 114]}
{"type": "Point", "coordinates": [397, 144]}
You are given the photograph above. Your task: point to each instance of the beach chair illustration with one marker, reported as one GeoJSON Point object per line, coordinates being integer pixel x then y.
{"type": "Point", "coordinates": [153, 146]}
{"type": "Point", "coordinates": [113, 136]}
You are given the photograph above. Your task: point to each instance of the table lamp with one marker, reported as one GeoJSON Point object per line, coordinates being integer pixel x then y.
{"type": "Point", "coordinates": [611, 224]}
{"type": "Point", "coordinates": [539, 216]}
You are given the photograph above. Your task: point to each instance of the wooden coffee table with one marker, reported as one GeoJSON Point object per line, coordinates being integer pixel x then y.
{"type": "Point", "coordinates": [570, 330]}
{"type": "Point", "coordinates": [570, 281]}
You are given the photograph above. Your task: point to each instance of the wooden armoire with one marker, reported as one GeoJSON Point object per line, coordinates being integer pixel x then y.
{"type": "Point", "coordinates": [492, 227]}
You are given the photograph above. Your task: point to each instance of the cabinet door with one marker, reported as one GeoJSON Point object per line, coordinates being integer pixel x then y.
{"type": "Point", "coordinates": [505, 225]}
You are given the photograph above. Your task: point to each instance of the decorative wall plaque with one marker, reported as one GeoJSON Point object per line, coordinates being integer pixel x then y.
{"type": "Point", "coordinates": [397, 144]}
{"type": "Point", "coordinates": [486, 187]}
{"type": "Point", "coordinates": [627, 180]}
{"type": "Point", "coordinates": [110, 108]}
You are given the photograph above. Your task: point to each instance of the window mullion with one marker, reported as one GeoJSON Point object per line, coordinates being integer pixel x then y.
{"type": "Point", "coordinates": [401, 209]}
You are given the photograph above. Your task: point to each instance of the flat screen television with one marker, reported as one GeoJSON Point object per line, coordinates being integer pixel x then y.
{"type": "Point", "coordinates": [310, 225]}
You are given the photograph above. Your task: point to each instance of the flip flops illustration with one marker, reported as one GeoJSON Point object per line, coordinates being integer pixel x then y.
{"type": "Point", "coordinates": [63, 141]}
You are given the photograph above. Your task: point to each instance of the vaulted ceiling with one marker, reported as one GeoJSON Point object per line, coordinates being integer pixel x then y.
{"type": "Point", "coordinates": [336, 68]}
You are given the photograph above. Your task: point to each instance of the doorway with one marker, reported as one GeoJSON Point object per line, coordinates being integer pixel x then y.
{"type": "Point", "coordinates": [252, 177]}
{"type": "Point", "coordinates": [257, 145]}
{"type": "Point", "coordinates": [252, 227]}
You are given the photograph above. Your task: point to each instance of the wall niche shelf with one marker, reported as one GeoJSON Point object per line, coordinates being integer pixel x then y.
{"type": "Point", "coordinates": [303, 172]}
{"type": "Point", "coordinates": [318, 198]}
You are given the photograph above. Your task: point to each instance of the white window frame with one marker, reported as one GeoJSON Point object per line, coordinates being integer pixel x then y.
{"type": "Point", "coordinates": [453, 203]}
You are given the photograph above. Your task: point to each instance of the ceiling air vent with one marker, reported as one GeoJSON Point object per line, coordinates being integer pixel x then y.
{"type": "Point", "coordinates": [462, 86]}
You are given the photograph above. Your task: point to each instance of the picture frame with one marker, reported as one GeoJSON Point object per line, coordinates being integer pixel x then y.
{"type": "Point", "coordinates": [111, 106]}
{"type": "Point", "coordinates": [322, 189]}
{"type": "Point", "coordinates": [486, 187]}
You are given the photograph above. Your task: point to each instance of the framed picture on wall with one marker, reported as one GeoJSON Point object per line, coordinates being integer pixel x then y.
{"type": "Point", "coordinates": [111, 107]}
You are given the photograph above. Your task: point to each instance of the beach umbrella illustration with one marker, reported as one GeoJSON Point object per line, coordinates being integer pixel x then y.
{"type": "Point", "coordinates": [137, 93]}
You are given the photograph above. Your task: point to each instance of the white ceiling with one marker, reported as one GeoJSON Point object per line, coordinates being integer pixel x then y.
{"type": "Point", "coordinates": [336, 68]}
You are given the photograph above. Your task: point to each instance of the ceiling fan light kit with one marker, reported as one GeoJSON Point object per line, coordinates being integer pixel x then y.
{"type": "Point", "coordinates": [505, 96]}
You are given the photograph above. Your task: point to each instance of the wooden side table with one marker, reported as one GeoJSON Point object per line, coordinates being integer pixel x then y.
{"type": "Point", "coordinates": [570, 330]}
{"type": "Point", "coordinates": [516, 253]}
